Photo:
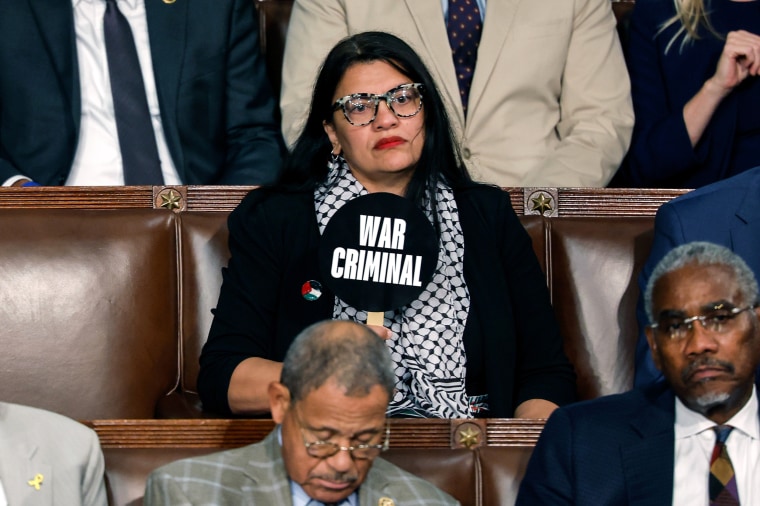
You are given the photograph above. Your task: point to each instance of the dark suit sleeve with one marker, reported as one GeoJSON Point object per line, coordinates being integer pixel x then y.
{"type": "Point", "coordinates": [254, 144]}
{"type": "Point", "coordinates": [668, 233]}
{"type": "Point", "coordinates": [660, 147]}
{"type": "Point", "coordinates": [244, 319]}
{"type": "Point", "coordinates": [548, 478]}
{"type": "Point", "coordinates": [543, 370]}
{"type": "Point", "coordinates": [7, 170]}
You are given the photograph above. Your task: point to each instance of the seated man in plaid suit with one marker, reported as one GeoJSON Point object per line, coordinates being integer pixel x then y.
{"type": "Point", "coordinates": [330, 409]}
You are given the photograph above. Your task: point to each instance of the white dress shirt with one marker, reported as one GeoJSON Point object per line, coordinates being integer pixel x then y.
{"type": "Point", "coordinates": [3, 500]}
{"type": "Point", "coordinates": [97, 161]}
{"type": "Point", "coordinates": [695, 440]}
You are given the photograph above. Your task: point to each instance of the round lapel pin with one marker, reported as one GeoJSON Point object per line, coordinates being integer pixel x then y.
{"type": "Point", "coordinates": [311, 290]}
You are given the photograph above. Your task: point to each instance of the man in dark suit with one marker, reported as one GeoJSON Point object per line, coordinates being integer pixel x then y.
{"type": "Point", "coordinates": [207, 94]}
{"type": "Point", "coordinates": [725, 213]}
{"type": "Point", "coordinates": [695, 436]}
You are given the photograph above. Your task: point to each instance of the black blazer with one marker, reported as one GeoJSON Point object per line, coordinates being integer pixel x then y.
{"type": "Point", "coordinates": [216, 105]}
{"type": "Point", "coordinates": [511, 327]}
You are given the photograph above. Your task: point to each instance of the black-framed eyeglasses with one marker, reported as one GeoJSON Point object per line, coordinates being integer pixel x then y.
{"type": "Point", "coordinates": [719, 320]}
{"type": "Point", "coordinates": [360, 109]}
{"type": "Point", "coordinates": [325, 449]}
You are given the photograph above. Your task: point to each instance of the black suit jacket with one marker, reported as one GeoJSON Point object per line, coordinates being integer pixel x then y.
{"type": "Point", "coordinates": [511, 335]}
{"type": "Point", "coordinates": [216, 105]}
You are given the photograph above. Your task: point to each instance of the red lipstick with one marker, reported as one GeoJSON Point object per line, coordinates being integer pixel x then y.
{"type": "Point", "coordinates": [389, 142]}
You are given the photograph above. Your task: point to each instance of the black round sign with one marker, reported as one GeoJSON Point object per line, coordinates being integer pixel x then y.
{"type": "Point", "coordinates": [378, 252]}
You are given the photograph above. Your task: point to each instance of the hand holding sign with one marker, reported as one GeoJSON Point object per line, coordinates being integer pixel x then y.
{"type": "Point", "coordinates": [378, 253]}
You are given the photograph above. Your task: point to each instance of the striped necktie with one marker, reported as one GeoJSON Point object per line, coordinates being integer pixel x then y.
{"type": "Point", "coordinates": [723, 491]}
{"type": "Point", "coordinates": [137, 140]}
{"type": "Point", "coordinates": [464, 26]}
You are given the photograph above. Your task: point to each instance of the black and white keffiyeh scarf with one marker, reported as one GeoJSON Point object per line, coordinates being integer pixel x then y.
{"type": "Point", "coordinates": [427, 347]}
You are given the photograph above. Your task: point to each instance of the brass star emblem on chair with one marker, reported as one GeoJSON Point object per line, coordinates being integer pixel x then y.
{"type": "Point", "coordinates": [542, 203]}
{"type": "Point", "coordinates": [469, 437]}
{"type": "Point", "coordinates": [170, 200]}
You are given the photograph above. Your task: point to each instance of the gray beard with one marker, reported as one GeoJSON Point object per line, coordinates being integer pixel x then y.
{"type": "Point", "coordinates": [709, 401]}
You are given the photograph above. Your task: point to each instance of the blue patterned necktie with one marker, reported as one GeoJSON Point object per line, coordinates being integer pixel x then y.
{"type": "Point", "coordinates": [723, 491]}
{"type": "Point", "coordinates": [464, 27]}
{"type": "Point", "coordinates": [137, 141]}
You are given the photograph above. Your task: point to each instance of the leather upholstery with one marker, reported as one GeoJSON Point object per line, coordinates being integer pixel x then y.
{"type": "Point", "coordinates": [88, 308]}
{"type": "Point", "coordinates": [594, 266]}
{"type": "Point", "coordinates": [104, 313]}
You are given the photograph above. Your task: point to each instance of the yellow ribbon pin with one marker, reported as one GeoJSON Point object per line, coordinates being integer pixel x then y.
{"type": "Point", "coordinates": [386, 501]}
{"type": "Point", "coordinates": [36, 482]}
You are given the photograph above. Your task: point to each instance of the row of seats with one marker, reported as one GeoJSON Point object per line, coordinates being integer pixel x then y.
{"type": "Point", "coordinates": [105, 312]}
{"type": "Point", "coordinates": [479, 473]}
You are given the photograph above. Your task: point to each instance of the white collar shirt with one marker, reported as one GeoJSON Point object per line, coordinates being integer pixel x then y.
{"type": "Point", "coordinates": [694, 442]}
{"type": "Point", "coordinates": [481, 6]}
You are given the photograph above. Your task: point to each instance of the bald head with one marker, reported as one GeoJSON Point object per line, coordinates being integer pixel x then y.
{"type": "Point", "coordinates": [349, 352]}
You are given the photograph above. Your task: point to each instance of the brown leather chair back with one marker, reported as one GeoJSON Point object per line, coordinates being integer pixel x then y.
{"type": "Point", "coordinates": [594, 269]}
{"type": "Point", "coordinates": [274, 16]}
{"type": "Point", "coordinates": [88, 311]}
{"type": "Point", "coordinates": [204, 252]}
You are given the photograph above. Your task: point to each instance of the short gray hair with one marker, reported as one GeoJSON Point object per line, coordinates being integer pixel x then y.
{"type": "Point", "coordinates": [702, 253]}
{"type": "Point", "coordinates": [349, 352]}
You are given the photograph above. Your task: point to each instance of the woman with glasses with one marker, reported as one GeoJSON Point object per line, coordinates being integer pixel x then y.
{"type": "Point", "coordinates": [694, 68]}
{"type": "Point", "coordinates": [481, 339]}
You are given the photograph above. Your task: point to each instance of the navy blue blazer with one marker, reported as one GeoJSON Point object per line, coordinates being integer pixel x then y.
{"type": "Point", "coordinates": [216, 105]}
{"type": "Point", "coordinates": [615, 450]}
{"type": "Point", "coordinates": [661, 154]}
{"type": "Point", "coordinates": [725, 213]}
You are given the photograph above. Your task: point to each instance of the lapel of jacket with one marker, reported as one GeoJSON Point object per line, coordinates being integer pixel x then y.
{"type": "Point", "coordinates": [648, 463]}
{"type": "Point", "coordinates": [167, 33]}
{"type": "Point", "coordinates": [269, 482]}
{"type": "Point", "coordinates": [428, 19]}
{"type": "Point", "coordinates": [55, 23]}
{"type": "Point", "coordinates": [374, 488]}
{"type": "Point", "coordinates": [18, 466]}
{"type": "Point", "coordinates": [497, 25]}
{"type": "Point", "coordinates": [745, 233]}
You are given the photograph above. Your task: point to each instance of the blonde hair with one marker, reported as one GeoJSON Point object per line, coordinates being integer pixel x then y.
{"type": "Point", "coordinates": [690, 14]}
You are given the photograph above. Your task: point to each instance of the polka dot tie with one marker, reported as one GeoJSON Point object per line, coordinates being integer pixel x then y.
{"type": "Point", "coordinates": [464, 27]}
{"type": "Point", "coordinates": [723, 491]}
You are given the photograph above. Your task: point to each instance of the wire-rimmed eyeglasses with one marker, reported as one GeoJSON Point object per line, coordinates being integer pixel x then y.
{"type": "Point", "coordinates": [360, 109]}
{"type": "Point", "coordinates": [325, 449]}
{"type": "Point", "coordinates": [719, 320]}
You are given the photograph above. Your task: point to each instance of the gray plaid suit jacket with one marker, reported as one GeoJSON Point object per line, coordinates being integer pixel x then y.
{"type": "Point", "coordinates": [255, 474]}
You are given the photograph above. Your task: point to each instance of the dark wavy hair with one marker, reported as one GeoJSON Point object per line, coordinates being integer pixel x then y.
{"type": "Point", "coordinates": [306, 165]}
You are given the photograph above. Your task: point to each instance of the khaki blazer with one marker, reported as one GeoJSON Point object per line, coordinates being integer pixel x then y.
{"type": "Point", "coordinates": [60, 455]}
{"type": "Point", "coordinates": [550, 98]}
